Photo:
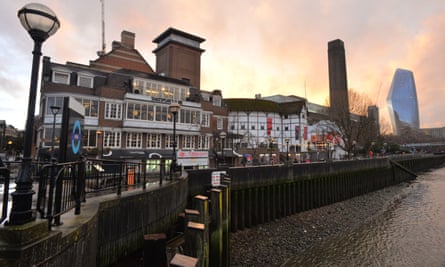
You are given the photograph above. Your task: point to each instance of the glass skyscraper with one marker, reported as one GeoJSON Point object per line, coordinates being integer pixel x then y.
{"type": "Point", "coordinates": [402, 102]}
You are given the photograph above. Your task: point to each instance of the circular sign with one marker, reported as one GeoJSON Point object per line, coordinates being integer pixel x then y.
{"type": "Point", "coordinates": [76, 137]}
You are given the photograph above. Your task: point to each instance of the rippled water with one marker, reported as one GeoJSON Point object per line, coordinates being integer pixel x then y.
{"type": "Point", "coordinates": [411, 232]}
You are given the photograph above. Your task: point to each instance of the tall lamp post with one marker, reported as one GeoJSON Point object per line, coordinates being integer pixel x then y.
{"type": "Point", "coordinates": [287, 150]}
{"type": "Point", "coordinates": [100, 151]}
{"type": "Point", "coordinates": [55, 111]}
{"type": "Point", "coordinates": [222, 135]}
{"type": "Point", "coordinates": [174, 109]}
{"type": "Point", "coordinates": [40, 22]}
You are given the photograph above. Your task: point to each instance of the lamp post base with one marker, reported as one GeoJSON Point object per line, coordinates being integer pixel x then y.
{"type": "Point", "coordinates": [21, 211]}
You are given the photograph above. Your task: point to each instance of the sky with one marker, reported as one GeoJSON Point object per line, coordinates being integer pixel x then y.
{"type": "Point", "coordinates": [252, 47]}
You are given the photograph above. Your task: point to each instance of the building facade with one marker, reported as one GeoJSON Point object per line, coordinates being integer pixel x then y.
{"type": "Point", "coordinates": [127, 103]}
{"type": "Point", "coordinates": [262, 129]}
{"type": "Point", "coordinates": [402, 102]}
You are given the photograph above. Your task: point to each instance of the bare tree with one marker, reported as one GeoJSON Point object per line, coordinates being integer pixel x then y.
{"type": "Point", "coordinates": [353, 125]}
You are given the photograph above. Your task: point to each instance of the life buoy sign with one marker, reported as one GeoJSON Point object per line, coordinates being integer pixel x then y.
{"type": "Point", "coordinates": [76, 137]}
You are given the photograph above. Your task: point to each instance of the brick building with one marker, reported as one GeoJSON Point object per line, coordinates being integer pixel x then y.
{"type": "Point", "coordinates": [127, 102]}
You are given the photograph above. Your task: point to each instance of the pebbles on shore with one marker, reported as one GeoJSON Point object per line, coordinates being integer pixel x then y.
{"type": "Point", "coordinates": [272, 243]}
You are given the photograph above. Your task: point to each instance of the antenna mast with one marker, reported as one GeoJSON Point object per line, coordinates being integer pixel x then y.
{"type": "Point", "coordinates": [102, 52]}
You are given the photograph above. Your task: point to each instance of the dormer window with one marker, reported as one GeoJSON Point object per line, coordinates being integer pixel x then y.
{"type": "Point", "coordinates": [85, 81]}
{"type": "Point", "coordinates": [61, 77]}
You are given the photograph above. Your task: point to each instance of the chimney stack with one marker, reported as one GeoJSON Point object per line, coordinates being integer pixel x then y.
{"type": "Point", "coordinates": [127, 39]}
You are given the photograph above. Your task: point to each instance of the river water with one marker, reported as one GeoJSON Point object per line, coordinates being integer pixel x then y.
{"type": "Point", "coordinates": [410, 232]}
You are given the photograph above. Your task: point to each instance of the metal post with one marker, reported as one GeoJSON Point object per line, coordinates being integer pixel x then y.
{"type": "Point", "coordinates": [21, 211]}
{"type": "Point", "coordinates": [55, 111]}
{"type": "Point", "coordinates": [173, 168]}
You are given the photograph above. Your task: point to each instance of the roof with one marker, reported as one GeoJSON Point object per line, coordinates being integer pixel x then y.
{"type": "Point", "coordinates": [261, 105]}
{"type": "Point", "coordinates": [178, 32]}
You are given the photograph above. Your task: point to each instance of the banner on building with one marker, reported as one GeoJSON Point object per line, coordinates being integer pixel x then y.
{"type": "Point", "coordinates": [269, 126]}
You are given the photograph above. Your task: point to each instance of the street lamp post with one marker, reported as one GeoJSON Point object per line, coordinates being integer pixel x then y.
{"type": "Point", "coordinates": [40, 22]}
{"type": "Point", "coordinates": [222, 135]}
{"type": "Point", "coordinates": [100, 151]}
{"type": "Point", "coordinates": [174, 109]}
{"type": "Point", "coordinates": [55, 111]}
{"type": "Point", "coordinates": [287, 150]}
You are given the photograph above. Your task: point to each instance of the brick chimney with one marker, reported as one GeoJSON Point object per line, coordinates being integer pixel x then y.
{"type": "Point", "coordinates": [127, 39]}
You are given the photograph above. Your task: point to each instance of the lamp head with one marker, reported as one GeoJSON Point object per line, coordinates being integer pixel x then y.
{"type": "Point", "coordinates": [39, 21]}
{"type": "Point", "coordinates": [55, 109]}
{"type": "Point", "coordinates": [174, 108]}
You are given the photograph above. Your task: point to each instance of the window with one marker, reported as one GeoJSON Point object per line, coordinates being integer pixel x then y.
{"type": "Point", "coordinates": [203, 142]}
{"type": "Point", "coordinates": [286, 128]}
{"type": "Point", "coordinates": [48, 135]}
{"type": "Point", "coordinates": [161, 113]}
{"type": "Point", "coordinates": [262, 127]}
{"type": "Point", "coordinates": [89, 138]}
{"type": "Point", "coordinates": [85, 81]}
{"type": "Point", "coordinates": [188, 142]}
{"type": "Point", "coordinates": [216, 101]}
{"type": "Point", "coordinates": [112, 139]}
{"type": "Point", "coordinates": [153, 141]}
{"type": "Point", "coordinates": [54, 101]}
{"type": "Point", "coordinates": [61, 77]}
{"type": "Point", "coordinates": [205, 120]}
{"type": "Point", "coordinates": [134, 111]}
{"type": "Point", "coordinates": [169, 141]}
{"type": "Point", "coordinates": [232, 127]}
{"type": "Point", "coordinates": [150, 112]}
{"type": "Point", "coordinates": [113, 111]}
{"type": "Point", "coordinates": [91, 107]}
{"type": "Point", "coordinates": [219, 123]}
{"type": "Point", "coordinates": [243, 127]}
{"type": "Point", "coordinates": [252, 127]}
{"type": "Point", "coordinates": [134, 140]}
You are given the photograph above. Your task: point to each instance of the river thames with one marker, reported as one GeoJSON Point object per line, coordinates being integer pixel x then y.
{"type": "Point", "coordinates": [409, 232]}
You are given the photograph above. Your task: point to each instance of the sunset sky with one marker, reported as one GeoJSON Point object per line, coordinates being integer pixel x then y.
{"type": "Point", "coordinates": [251, 47]}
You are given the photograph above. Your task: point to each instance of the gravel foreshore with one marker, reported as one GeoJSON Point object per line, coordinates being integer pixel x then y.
{"type": "Point", "coordinates": [273, 243]}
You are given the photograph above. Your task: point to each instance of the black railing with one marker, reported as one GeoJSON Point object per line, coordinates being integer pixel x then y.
{"type": "Point", "coordinates": [60, 190]}
{"type": "Point", "coordinates": [4, 176]}
{"type": "Point", "coordinates": [63, 186]}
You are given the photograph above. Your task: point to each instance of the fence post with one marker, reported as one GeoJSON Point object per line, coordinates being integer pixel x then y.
{"type": "Point", "coordinates": [144, 171]}
{"type": "Point", "coordinates": [6, 174]}
{"type": "Point", "coordinates": [58, 179]}
{"type": "Point", "coordinates": [80, 185]}
{"type": "Point", "coordinates": [119, 184]}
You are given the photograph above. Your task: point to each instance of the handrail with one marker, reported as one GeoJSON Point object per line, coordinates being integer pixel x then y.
{"type": "Point", "coordinates": [5, 173]}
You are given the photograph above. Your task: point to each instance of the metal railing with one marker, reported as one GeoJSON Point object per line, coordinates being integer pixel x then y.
{"type": "Point", "coordinates": [63, 186]}
{"type": "Point", "coordinates": [4, 176]}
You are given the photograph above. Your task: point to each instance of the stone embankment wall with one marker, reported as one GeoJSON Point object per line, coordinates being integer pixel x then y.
{"type": "Point", "coordinates": [108, 228]}
{"type": "Point", "coordinates": [265, 193]}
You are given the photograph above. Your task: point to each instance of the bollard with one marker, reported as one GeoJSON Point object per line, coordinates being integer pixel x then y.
{"type": "Point", "coordinates": [194, 240]}
{"type": "Point", "coordinates": [192, 215]}
{"type": "Point", "coordinates": [154, 250]}
{"type": "Point", "coordinates": [201, 203]}
{"type": "Point", "coordinates": [228, 218]}
{"type": "Point", "coordinates": [180, 260]}
{"type": "Point", "coordinates": [216, 239]}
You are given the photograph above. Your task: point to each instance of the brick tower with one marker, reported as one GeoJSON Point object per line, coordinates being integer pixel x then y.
{"type": "Point", "coordinates": [178, 55]}
{"type": "Point", "coordinates": [338, 85]}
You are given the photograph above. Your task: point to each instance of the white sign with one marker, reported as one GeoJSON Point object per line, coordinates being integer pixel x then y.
{"type": "Point", "coordinates": [216, 177]}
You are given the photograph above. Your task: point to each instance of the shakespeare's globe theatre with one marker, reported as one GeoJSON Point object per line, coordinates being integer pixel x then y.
{"type": "Point", "coordinates": [402, 102]}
